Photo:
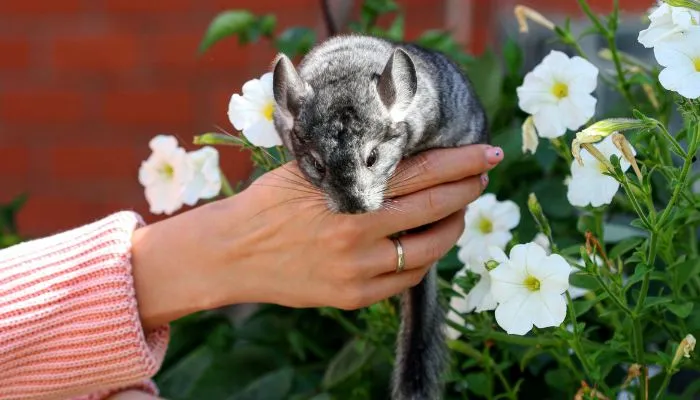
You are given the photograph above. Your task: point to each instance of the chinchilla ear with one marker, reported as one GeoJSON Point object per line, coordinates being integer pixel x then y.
{"type": "Point", "coordinates": [398, 82]}
{"type": "Point", "coordinates": [287, 86]}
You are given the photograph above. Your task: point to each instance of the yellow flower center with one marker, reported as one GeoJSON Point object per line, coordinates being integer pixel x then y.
{"type": "Point", "coordinates": [560, 90]}
{"type": "Point", "coordinates": [696, 62]}
{"type": "Point", "coordinates": [167, 171]}
{"type": "Point", "coordinates": [485, 226]}
{"type": "Point", "coordinates": [532, 283]}
{"type": "Point", "coordinates": [268, 110]}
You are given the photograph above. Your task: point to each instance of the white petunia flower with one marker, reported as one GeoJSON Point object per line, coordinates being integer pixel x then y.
{"type": "Point", "coordinates": [528, 287]}
{"type": "Point", "coordinates": [668, 23]}
{"type": "Point", "coordinates": [206, 182]}
{"type": "Point", "coordinates": [681, 59]}
{"type": "Point", "coordinates": [164, 175]}
{"type": "Point", "coordinates": [487, 223]}
{"type": "Point", "coordinates": [557, 93]}
{"type": "Point", "coordinates": [252, 113]}
{"type": "Point", "coordinates": [588, 183]}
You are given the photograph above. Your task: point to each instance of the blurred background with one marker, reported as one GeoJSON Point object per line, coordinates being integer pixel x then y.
{"type": "Point", "coordinates": [85, 84]}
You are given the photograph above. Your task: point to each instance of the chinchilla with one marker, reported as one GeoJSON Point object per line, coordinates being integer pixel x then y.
{"type": "Point", "coordinates": [352, 110]}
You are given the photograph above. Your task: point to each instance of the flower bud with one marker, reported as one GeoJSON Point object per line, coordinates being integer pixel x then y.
{"type": "Point", "coordinates": [684, 349]}
{"type": "Point", "coordinates": [692, 4]}
{"type": "Point", "coordinates": [627, 151]}
{"type": "Point", "coordinates": [490, 265]}
{"type": "Point", "coordinates": [538, 215]}
{"type": "Point", "coordinates": [599, 131]}
{"type": "Point", "coordinates": [530, 139]}
{"type": "Point", "coordinates": [523, 13]}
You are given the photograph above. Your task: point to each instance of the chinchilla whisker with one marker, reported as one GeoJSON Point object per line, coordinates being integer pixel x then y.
{"type": "Point", "coordinates": [300, 199]}
{"type": "Point", "coordinates": [317, 194]}
{"type": "Point", "coordinates": [301, 182]}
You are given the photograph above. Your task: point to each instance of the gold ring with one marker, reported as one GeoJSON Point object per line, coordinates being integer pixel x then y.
{"type": "Point", "coordinates": [401, 263]}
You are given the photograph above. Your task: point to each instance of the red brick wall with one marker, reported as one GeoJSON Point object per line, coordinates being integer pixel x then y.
{"type": "Point", "coordinates": [85, 84]}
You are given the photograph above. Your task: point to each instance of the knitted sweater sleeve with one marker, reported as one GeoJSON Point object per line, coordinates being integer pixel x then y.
{"type": "Point", "coordinates": [69, 323]}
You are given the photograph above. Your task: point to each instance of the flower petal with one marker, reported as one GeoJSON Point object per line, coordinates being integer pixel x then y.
{"type": "Point", "coordinates": [550, 309]}
{"type": "Point", "coordinates": [506, 215]}
{"type": "Point", "coordinates": [262, 133]}
{"type": "Point", "coordinates": [548, 121]}
{"type": "Point", "coordinates": [553, 272]}
{"type": "Point", "coordinates": [576, 110]}
{"type": "Point", "coordinates": [507, 282]}
{"type": "Point", "coordinates": [480, 297]}
{"type": "Point", "coordinates": [510, 316]}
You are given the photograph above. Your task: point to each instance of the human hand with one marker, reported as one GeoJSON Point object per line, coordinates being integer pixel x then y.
{"type": "Point", "coordinates": [276, 242]}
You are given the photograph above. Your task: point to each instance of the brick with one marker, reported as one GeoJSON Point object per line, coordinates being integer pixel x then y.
{"type": "Point", "coordinates": [40, 7]}
{"type": "Point", "coordinates": [15, 53]}
{"type": "Point", "coordinates": [14, 161]}
{"type": "Point", "coordinates": [110, 53]}
{"type": "Point", "coordinates": [42, 107]}
{"type": "Point", "coordinates": [93, 163]}
{"type": "Point", "coordinates": [150, 6]}
{"type": "Point", "coordinates": [177, 52]}
{"type": "Point", "coordinates": [155, 106]}
{"type": "Point", "coordinates": [53, 213]}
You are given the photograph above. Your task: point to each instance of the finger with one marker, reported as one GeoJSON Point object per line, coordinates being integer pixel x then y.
{"type": "Point", "coordinates": [420, 248]}
{"type": "Point", "coordinates": [434, 167]}
{"type": "Point", "coordinates": [423, 207]}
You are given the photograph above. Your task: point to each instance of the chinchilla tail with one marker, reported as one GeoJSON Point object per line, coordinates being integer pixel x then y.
{"type": "Point", "coordinates": [421, 350]}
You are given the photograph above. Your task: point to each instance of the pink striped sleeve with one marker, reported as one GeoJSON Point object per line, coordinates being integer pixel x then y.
{"type": "Point", "coordinates": [69, 324]}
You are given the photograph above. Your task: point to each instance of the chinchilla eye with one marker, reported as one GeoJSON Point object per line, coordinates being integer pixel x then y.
{"type": "Point", "coordinates": [372, 158]}
{"type": "Point", "coordinates": [317, 164]}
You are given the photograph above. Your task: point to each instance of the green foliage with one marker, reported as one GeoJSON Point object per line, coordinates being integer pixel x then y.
{"type": "Point", "coordinates": [638, 257]}
{"type": "Point", "coordinates": [9, 234]}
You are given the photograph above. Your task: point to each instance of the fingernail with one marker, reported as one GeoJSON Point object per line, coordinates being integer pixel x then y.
{"type": "Point", "coordinates": [485, 179]}
{"type": "Point", "coordinates": [494, 155]}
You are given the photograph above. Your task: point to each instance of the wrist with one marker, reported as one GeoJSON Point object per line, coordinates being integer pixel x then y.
{"type": "Point", "coordinates": [170, 261]}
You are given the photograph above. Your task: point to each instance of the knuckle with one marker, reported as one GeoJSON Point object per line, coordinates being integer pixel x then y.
{"type": "Point", "coordinates": [435, 200]}
{"type": "Point", "coordinates": [433, 249]}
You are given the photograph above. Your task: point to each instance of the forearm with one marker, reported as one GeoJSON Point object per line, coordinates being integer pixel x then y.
{"type": "Point", "coordinates": [69, 322]}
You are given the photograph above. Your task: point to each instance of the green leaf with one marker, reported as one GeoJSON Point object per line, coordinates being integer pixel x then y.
{"type": "Point", "coordinates": [225, 24]}
{"type": "Point", "coordinates": [272, 386]}
{"type": "Point", "coordinates": [486, 74]}
{"type": "Point", "coordinates": [582, 306]}
{"type": "Point", "coordinates": [396, 30]}
{"type": "Point", "coordinates": [513, 56]}
{"type": "Point", "coordinates": [181, 378]}
{"type": "Point", "coordinates": [653, 301]}
{"type": "Point", "coordinates": [347, 362]}
{"type": "Point", "coordinates": [614, 233]}
{"type": "Point", "coordinates": [296, 41]}
{"type": "Point", "coordinates": [478, 383]}
{"type": "Point", "coordinates": [624, 246]}
{"type": "Point", "coordinates": [683, 271]}
{"type": "Point", "coordinates": [681, 310]}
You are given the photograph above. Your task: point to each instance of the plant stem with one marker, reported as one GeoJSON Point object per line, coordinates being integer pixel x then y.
{"type": "Point", "coordinates": [226, 188]}
{"type": "Point", "coordinates": [614, 298]}
{"type": "Point", "coordinates": [664, 384]}
{"type": "Point", "coordinates": [639, 356]}
{"type": "Point", "coordinates": [469, 351]}
{"type": "Point", "coordinates": [576, 343]}
{"type": "Point", "coordinates": [680, 186]}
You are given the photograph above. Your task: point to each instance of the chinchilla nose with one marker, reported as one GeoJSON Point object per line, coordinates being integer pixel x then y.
{"type": "Point", "coordinates": [352, 205]}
